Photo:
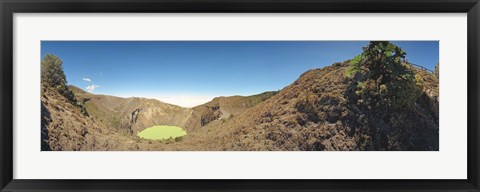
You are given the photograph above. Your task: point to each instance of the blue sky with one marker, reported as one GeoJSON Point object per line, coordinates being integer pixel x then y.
{"type": "Point", "coordinates": [157, 69]}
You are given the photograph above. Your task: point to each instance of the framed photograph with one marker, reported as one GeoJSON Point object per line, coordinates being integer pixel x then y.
{"type": "Point", "coordinates": [260, 95]}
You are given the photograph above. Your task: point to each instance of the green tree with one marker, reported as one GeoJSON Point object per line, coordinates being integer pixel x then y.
{"type": "Point", "coordinates": [52, 76]}
{"type": "Point", "coordinates": [52, 72]}
{"type": "Point", "coordinates": [436, 72]}
{"type": "Point", "coordinates": [382, 77]}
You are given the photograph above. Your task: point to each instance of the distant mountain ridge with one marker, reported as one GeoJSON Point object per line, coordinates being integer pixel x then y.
{"type": "Point", "coordinates": [135, 114]}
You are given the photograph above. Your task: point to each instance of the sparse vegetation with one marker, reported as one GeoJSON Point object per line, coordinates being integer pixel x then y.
{"type": "Point", "coordinates": [178, 139]}
{"type": "Point", "coordinates": [436, 71]}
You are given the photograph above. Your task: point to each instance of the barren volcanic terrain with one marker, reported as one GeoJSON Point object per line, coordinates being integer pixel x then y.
{"type": "Point", "coordinates": [319, 111]}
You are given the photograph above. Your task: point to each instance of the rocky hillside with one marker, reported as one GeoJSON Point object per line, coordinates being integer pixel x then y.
{"type": "Point", "coordinates": [314, 113]}
{"type": "Point", "coordinates": [131, 114]}
{"type": "Point", "coordinates": [63, 125]}
{"type": "Point", "coordinates": [101, 122]}
{"type": "Point", "coordinates": [67, 127]}
{"type": "Point", "coordinates": [223, 109]}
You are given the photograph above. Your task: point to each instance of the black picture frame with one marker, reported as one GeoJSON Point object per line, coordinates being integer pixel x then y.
{"type": "Point", "coordinates": [9, 7]}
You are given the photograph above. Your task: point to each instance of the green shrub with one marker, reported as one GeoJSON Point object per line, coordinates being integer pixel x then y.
{"type": "Point", "coordinates": [382, 78]}
{"type": "Point", "coordinates": [178, 139]}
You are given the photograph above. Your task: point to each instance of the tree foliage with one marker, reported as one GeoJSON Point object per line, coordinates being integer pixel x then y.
{"type": "Point", "coordinates": [52, 76]}
{"type": "Point", "coordinates": [383, 78]}
{"type": "Point", "coordinates": [52, 72]}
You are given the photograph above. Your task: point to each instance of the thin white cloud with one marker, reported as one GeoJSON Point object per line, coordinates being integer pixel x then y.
{"type": "Point", "coordinates": [91, 88]}
{"type": "Point", "coordinates": [87, 79]}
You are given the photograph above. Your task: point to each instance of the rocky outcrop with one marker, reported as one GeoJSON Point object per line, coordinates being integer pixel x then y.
{"type": "Point", "coordinates": [133, 119]}
{"type": "Point", "coordinates": [210, 114]}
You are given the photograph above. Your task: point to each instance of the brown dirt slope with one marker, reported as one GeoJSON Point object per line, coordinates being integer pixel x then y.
{"type": "Point", "coordinates": [314, 113]}
{"type": "Point", "coordinates": [66, 128]}
{"type": "Point", "coordinates": [223, 109]}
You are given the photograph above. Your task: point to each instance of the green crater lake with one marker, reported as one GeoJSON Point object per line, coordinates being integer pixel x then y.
{"type": "Point", "coordinates": [161, 132]}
